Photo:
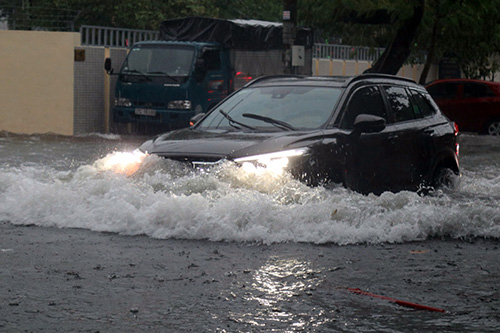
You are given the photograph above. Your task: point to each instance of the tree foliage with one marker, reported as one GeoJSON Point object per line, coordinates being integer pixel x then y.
{"type": "Point", "coordinates": [399, 48]}
{"type": "Point", "coordinates": [266, 10]}
{"type": "Point", "coordinates": [468, 30]}
{"type": "Point", "coordinates": [132, 14]}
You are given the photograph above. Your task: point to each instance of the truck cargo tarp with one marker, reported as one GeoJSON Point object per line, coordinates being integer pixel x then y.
{"type": "Point", "coordinates": [235, 34]}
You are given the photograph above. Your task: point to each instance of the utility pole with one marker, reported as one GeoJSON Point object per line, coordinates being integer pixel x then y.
{"type": "Point", "coordinates": [289, 33]}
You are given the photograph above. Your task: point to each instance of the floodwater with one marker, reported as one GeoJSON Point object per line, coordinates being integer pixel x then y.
{"type": "Point", "coordinates": [62, 182]}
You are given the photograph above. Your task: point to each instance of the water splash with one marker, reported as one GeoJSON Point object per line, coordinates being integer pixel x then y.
{"type": "Point", "coordinates": [166, 199]}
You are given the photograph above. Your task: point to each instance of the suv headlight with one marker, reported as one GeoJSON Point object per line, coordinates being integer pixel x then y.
{"type": "Point", "coordinates": [180, 105]}
{"type": "Point", "coordinates": [275, 162]}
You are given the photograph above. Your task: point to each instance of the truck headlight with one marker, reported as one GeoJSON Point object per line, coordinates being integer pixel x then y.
{"type": "Point", "coordinates": [122, 101]}
{"type": "Point", "coordinates": [180, 105]}
{"type": "Point", "coordinates": [275, 162]}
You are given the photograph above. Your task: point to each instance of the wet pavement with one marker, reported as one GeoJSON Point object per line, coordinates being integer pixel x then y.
{"type": "Point", "coordinates": [85, 250]}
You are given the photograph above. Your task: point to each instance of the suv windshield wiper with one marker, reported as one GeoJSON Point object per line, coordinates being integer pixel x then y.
{"type": "Point", "coordinates": [275, 122]}
{"type": "Point", "coordinates": [232, 121]}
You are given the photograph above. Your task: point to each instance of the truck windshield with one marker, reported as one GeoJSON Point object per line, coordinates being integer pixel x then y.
{"type": "Point", "coordinates": [169, 60]}
{"type": "Point", "coordinates": [275, 108]}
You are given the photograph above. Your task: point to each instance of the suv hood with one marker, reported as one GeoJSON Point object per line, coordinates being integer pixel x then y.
{"type": "Point", "coordinates": [217, 144]}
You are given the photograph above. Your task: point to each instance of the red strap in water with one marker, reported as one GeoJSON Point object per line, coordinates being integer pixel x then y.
{"type": "Point", "coordinates": [403, 303]}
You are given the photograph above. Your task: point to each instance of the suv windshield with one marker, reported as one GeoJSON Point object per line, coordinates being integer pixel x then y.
{"type": "Point", "coordinates": [275, 107]}
{"type": "Point", "coordinates": [170, 60]}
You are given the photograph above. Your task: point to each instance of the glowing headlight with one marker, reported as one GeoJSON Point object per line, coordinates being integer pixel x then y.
{"type": "Point", "coordinates": [121, 101]}
{"type": "Point", "coordinates": [274, 162]}
{"type": "Point", "coordinates": [180, 105]}
{"type": "Point", "coordinates": [122, 162]}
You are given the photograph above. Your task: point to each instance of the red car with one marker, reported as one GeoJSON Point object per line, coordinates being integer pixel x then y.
{"type": "Point", "coordinates": [473, 105]}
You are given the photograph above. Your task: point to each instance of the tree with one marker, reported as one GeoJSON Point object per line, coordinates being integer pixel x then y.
{"type": "Point", "coordinates": [140, 14]}
{"type": "Point", "coordinates": [434, 21]}
{"type": "Point", "coordinates": [399, 49]}
{"type": "Point", "coordinates": [134, 14]}
{"type": "Point", "coordinates": [466, 30]}
{"type": "Point", "coordinates": [38, 15]}
{"type": "Point", "coordinates": [475, 28]}
{"type": "Point", "coordinates": [392, 24]}
{"type": "Point", "coordinates": [266, 10]}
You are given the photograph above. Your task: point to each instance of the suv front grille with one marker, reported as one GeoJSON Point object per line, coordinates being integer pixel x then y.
{"type": "Point", "coordinates": [198, 161]}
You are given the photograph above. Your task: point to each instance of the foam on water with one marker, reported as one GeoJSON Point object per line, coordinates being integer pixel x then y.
{"type": "Point", "coordinates": [164, 199]}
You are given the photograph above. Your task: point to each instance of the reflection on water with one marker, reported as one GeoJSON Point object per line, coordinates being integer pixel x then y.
{"type": "Point", "coordinates": [277, 292]}
{"type": "Point", "coordinates": [281, 279]}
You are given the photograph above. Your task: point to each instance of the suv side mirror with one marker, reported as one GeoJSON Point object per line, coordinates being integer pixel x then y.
{"type": "Point", "coordinates": [367, 123]}
{"type": "Point", "coordinates": [196, 118]}
{"type": "Point", "coordinates": [108, 66]}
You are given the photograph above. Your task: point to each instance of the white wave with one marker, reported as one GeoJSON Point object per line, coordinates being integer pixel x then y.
{"type": "Point", "coordinates": [106, 136]}
{"type": "Point", "coordinates": [165, 200]}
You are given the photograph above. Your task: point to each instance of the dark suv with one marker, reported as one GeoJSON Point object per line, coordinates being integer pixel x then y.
{"type": "Point", "coordinates": [371, 133]}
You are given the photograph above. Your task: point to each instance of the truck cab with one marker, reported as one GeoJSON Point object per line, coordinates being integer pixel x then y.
{"type": "Point", "coordinates": [168, 82]}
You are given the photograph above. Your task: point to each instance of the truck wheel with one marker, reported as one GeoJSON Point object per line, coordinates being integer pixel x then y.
{"type": "Point", "coordinates": [493, 127]}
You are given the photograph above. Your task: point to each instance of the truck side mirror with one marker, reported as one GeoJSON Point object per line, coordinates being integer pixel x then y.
{"type": "Point", "coordinates": [108, 66]}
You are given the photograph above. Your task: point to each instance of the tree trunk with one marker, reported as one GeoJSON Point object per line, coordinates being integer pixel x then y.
{"type": "Point", "coordinates": [432, 47]}
{"type": "Point", "coordinates": [398, 51]}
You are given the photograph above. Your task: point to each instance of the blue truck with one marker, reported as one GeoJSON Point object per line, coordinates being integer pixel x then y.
{"type": "Point", "coordinates": [197, 63]}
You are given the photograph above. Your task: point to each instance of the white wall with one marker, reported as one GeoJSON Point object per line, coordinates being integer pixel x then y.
{"type": "Point", "coordinates": [36, 82]}
{"type": "Point", "coordinates": [330, 67]}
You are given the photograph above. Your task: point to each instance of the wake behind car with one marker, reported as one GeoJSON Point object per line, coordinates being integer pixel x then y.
{"type": "Point", "coordinates": [372, 133]}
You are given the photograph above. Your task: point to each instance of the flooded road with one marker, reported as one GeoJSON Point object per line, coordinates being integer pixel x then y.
{"type": "Point", "coordinates": [171, 249]}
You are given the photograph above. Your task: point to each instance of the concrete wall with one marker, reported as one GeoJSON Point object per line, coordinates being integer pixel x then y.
{"type": "Point", "coordinates": [330, 67]}
{"type": "Point", "coordinates": [89, 91]}
{"type": "Point", "coordinates": [36, 81]}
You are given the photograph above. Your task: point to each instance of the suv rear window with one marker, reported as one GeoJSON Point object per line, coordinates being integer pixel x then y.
{"type": "Point", "coordinates": [422, 102]}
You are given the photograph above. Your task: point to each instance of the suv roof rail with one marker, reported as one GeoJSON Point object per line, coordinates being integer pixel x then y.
{"type": "Point", "coordinates": [380, 76]}
{"type": "Point", "coordinates": [345, 79]}
{"type": "Point", "coordinates": [276, 76]}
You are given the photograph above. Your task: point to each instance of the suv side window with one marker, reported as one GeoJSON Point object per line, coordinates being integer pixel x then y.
{"type": "Point", "coordinates": [401, 106]}
{"type": "Point", "coordinates": [421, 102]}
{"type": "Point", "coordinates": [366, 100]}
